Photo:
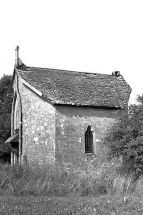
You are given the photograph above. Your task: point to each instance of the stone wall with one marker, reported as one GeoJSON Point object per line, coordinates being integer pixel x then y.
{"type": "Point", "coordinates": [71, 125]}
{"type": "Point", "coordinates": [38, 130]}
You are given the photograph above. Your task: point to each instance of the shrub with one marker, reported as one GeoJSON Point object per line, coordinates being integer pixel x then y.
{"type": "Point", "coordinates": [125, 138]}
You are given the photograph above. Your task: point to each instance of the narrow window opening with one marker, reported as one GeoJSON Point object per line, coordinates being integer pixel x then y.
{"type": "Point", "coordinates": [89, 140]}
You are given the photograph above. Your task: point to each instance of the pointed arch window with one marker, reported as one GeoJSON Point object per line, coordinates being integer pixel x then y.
{"type": "Point", "coordinates": [89, 140]}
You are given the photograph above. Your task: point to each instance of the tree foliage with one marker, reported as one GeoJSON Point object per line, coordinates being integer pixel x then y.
{"type": "Point", "coordinates": [5, 116]}
{"type": "Point", "coordinates": [5, 106]}
{"type": "Point", "coordinates": [126, 138]}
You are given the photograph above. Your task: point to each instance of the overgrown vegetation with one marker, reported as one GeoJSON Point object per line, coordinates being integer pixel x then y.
{"type": "Point", "coordinates": [126, 139]}
{"type": "Point", "coordinates": [62, 190]}
{"type": "Point", "coordinates": [55, 181]}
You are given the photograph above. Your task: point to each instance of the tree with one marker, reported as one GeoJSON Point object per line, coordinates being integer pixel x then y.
{"type": "Point", "coordinates": [126, 138]}
{"type": "Point", "coordinates": [5, 116]}
{"type": "Point", "coordinates": [5, 106]}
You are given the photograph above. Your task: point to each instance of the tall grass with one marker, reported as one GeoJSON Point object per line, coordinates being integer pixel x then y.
{"type": "Point", "coordinates": [58, 181]}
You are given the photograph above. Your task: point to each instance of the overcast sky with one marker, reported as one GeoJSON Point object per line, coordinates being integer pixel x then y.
{"type": "Point", "coordinates": [98, 36]}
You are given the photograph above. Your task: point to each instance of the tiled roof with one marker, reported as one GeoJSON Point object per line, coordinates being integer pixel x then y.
{"type": "Point", "coordinates": [78, 88]}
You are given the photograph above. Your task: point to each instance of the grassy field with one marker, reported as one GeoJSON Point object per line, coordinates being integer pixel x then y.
{"type": "Point", "coordinates": [68, 190]}
{"type": "Point", "coordinates": [105, 205]}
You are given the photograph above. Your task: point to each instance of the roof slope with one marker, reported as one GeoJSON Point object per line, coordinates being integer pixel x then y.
{"type": "Point", "coordinates": [77, 88]}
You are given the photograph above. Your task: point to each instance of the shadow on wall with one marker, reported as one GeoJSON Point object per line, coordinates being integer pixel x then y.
{"type": "Point", "coordinates": [86, 111]}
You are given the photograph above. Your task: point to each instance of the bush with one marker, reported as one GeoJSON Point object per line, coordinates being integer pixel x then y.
{"type": "Point", "coordinates": [125, 139]}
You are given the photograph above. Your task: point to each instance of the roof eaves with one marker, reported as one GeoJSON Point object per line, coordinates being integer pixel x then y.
{"type": "Point", "coordinates": [89, 105]}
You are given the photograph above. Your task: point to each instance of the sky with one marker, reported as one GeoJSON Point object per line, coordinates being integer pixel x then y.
{"type": "Point", "coordinates": [100, 36]}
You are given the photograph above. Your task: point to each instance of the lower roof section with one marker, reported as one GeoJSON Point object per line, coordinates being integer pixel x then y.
{"type": "Point", "coordinates": [13, 138]}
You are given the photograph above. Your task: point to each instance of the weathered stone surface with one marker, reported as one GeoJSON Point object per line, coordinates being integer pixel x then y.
{"type": "Point", "coordinates": [38, 127]}
{"type": "Point", "coordinates": [71, 125]}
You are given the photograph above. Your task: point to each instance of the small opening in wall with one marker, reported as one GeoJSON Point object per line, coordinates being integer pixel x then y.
{"type": "Point", "coordinates": [89, 140]}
